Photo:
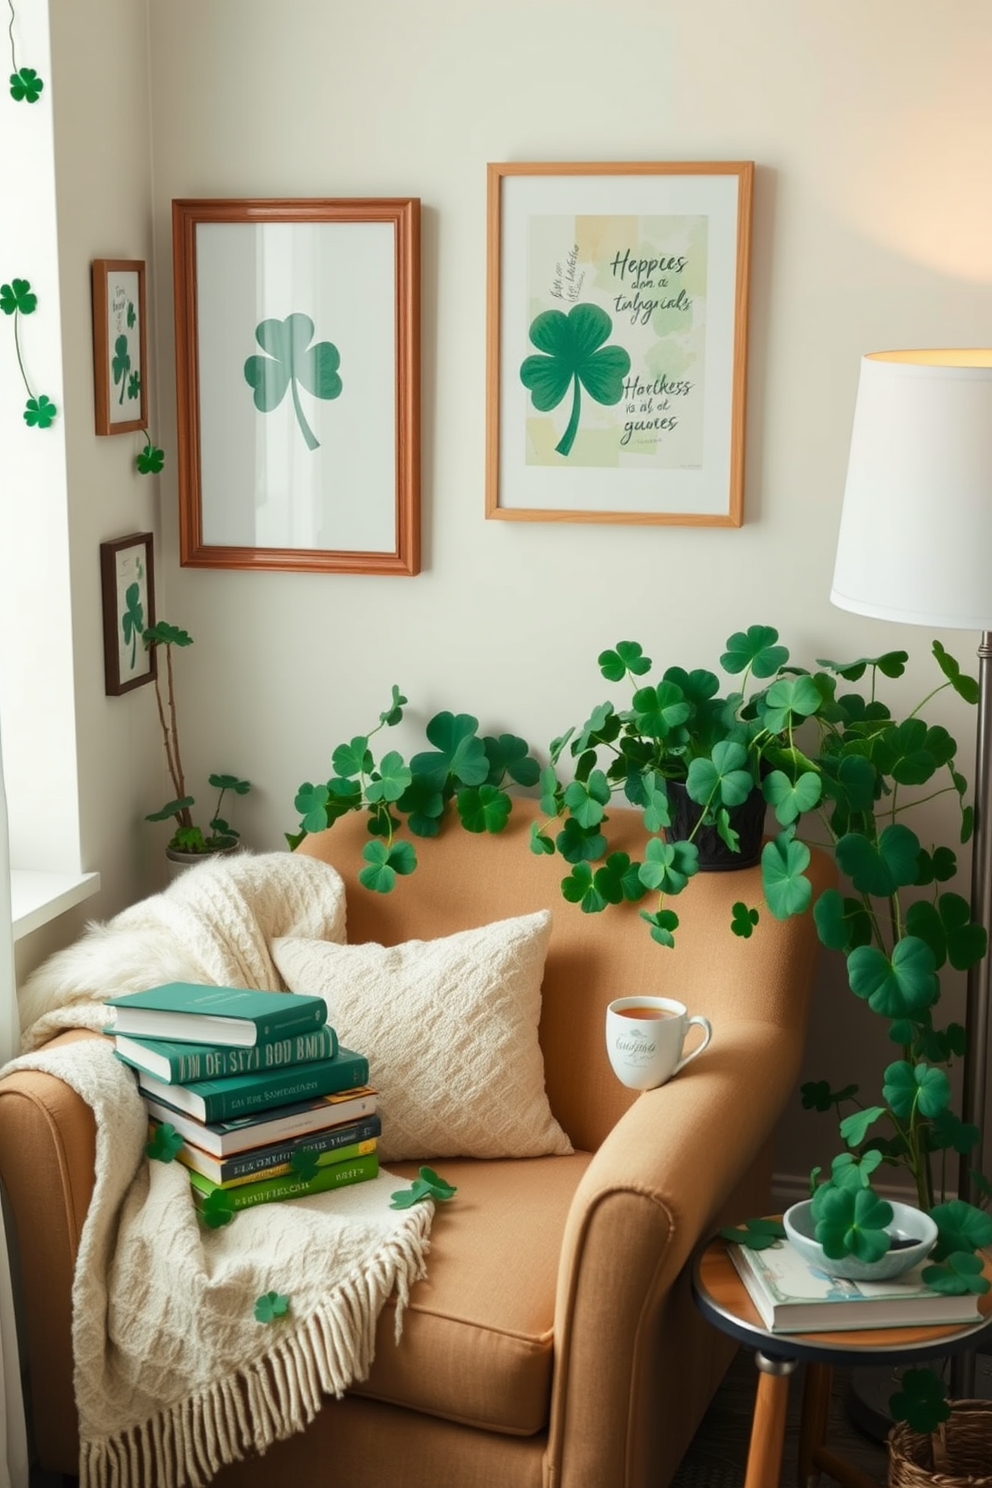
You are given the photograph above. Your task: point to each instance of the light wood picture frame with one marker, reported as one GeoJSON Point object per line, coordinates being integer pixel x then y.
{"type": "Point", "coordinates": [120, 355]}
{"type": "Point", "coordinates": [298, 383]}
{"type": "Point", "coordinates": [616, 341]}
{"type": "Point", "coordinates": [127, 580]}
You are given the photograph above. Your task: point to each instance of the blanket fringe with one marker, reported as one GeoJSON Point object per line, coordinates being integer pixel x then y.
{"type": "Point", "coordinates": [274, 1397]}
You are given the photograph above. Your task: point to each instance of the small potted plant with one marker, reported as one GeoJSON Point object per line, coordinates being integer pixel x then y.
{"type": "Point", "coordinates": [189, 842]}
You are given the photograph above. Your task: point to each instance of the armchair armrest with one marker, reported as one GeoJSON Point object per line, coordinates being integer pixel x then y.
{"type": "Point", "coordinates": [47, 1165]}
{"type": "Point", "coordinates": [680, 1162]}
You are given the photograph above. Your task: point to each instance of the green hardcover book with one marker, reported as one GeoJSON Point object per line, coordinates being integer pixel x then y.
{"type": "Point", "coordinates": [292, 1186]}
{"type": "Point", "coordinates": [179, 1063]}
{"type": "Point", "coordinates": [240, 1095]}
{"type": "Point", "coordinates": [215, 1015]}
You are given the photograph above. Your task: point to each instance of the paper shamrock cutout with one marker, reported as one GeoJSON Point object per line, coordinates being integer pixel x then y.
{"type": "Point", "coordinates": [164, 1144]}
{"type": "Point", "coordinates": [305, 1163]}
{"type": "Point", "coordinates": [756, 1234]}
{"type": "Point", "coordinates": [151, 459]}
{"type": "Point", "coordinates": [270, 1307]}
{"type": "Point", "coordinates": [428, 1186]}
{"type": "Point", "coordinates": [218, 1209]}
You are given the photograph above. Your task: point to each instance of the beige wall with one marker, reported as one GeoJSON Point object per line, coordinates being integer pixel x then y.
{"type": "Point", "coordinates": [871, 127]}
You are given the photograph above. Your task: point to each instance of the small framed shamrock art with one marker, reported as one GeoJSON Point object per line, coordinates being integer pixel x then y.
{"type": "Point", "coordinates": [128, 586]}
{"type": "Point", "coordinates": [617, 341]}
{"type": "Point", "coordinates": [298, 383]}
{"type": "Point", "coordinates": [120, 364]}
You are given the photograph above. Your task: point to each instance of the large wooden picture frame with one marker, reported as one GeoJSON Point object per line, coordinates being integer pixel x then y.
{"type": "Point", "coordinates": [617, 341]}
{"type": "Point", "coordinates": [120, 358]}
{"type": "Point", "coordinates": [127, 579]}
{"type": "Point", "coordinates": [298, 383]}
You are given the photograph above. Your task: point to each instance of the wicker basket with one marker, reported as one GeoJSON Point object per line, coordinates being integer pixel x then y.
{"type": "Point", "coordinates": [957, 1455]}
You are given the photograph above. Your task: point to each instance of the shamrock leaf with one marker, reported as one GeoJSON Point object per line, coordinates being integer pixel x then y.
{"type": "Point", "coordinates": [965, 686]}
{"type": "Point", "coordinates": [789, 799]}
{"type": "Point", "coordinates": [586, 799]}
{"type": "Point", "coordinates": [896, 986]}
{"type": "Point", "coordinates": [134, 385]}
{"type": "Point", "coordinates": [485, 808]}
{"type": "Point", "coordinates": [390, 780]}
{"type": "Point", "coordinates": [305, 1163]}
{"type": "Point", "coordinates": [579, 888]}
{"type": "Point", "coordinates": [292, 361]}
{"type": "Point", "coordinates": [743, 920]}
{"type": "Point", "coordinates": [25, 85]}
{"type": "Point", "coordinates": [960, 1227]}
{"type": "Point", "coordinates": [384, 863]}
{"type": "Point", "coordinates": [271, 1306]}
{"type": "Point", "coordinates": [921, 1401]}
{"type": "Point", "coordinates": [573, 355]}
{"type": "Point", "coordinates": [17, 296]}
{"type": "Point", "coordinates": [429, 1185]}
{"type": "Point", "coordinates": [668, 866]}
{"type": "Point", "coordinates": [787, 889]}
{"type": "Point", "coordinates": [756, 1234]}
{"type": "Point", "coordinates": [619, 879]}
{"type": "Point", "coordinates": [916, 1085]}
{"type": "Point", "coordinates": [578, 844]}
{"type": "Point", "coordinates": [627, 656]}
{"type": "Point", "coordinates": [754, 648]}
{"type": "Point", "coordinates": [217, 1209]}
{"type": "Point", "coordinates": [851, 1222]}
{"type": "Point", "coordinates": [150, 460]}
{"type": "Point", "coordinates": [664, 923]}
{"type": "Point", "coordinates": [540, 842]}
{"type": "Point", "coordinates": [459, 751]}
{"type": "Point", "coordinates": [164, 1144]}
{"type": "Point", "coordinates": [40, 412]}
{"type": "Point", "coordinates": [818, 1096]}
{"type": "Point", "coordinates": [132, 315]}
{"type": "Point", "coordinates": [394, 712]}
{"type": "Point", "coordinates": [957, 1276]}
{"type": "Point", "coordinates": [509, 755]}
{"type": "Point", "coordinates": [722, 778]}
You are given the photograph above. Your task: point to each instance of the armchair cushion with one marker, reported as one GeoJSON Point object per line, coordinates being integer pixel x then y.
{"type": "Point", "coordinates": [450, 1030]}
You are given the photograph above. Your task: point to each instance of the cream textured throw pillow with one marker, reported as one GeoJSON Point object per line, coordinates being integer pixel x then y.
{"type": "Point", "coordinates": [449, 1027]}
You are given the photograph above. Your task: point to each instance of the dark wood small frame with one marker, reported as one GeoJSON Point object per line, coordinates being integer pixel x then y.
{"type": "Point", "coordinates": [120, 359]}
{"type": "Point", "coordinates": [124, 563]}
{"type": "Point", "coordinates": [305, 308]}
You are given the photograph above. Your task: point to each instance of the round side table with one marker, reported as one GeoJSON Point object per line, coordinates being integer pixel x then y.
{"type": "Point", "coordinates": [722, 1298]}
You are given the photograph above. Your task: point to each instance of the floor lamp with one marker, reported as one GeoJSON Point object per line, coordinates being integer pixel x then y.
{"type": "Point", "coordinates": [915, 545]}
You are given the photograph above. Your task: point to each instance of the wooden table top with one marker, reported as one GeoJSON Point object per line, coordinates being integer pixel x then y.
{"type": "Point", "coordinates": [723, 1298]}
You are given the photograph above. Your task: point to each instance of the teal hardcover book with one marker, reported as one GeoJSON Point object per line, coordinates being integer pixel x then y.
{"type": "Point", "coordinates": [215, 1015]}
{"type": "Point", "coordinates": [179, 1063]}
{"type": "Point", "coordinates": [240, 1095]}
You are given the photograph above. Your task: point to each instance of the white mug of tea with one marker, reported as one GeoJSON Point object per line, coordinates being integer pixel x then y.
{"type": "Point", "coordinates": [645, 1037]}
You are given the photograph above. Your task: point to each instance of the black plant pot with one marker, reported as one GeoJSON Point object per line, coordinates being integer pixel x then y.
{"type": "Point", "coordinates": [747, 820]}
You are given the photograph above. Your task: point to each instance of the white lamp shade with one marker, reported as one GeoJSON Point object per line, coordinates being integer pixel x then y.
{"type": "Point", "coordinates": [915, 541]}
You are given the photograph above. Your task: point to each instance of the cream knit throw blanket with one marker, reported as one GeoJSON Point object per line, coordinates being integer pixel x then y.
{"type": "Point", "coordinates": [174, 1376]}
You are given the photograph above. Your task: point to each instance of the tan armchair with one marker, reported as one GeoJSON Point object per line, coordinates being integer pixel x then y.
{"type": "Point", "coordinates": [554, 1343]}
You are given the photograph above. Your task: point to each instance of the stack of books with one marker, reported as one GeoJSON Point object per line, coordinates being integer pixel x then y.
{"type": "Point", "coordinates": [268, 1104]}
{"type": "Point", "coordinates": [793, 1296]}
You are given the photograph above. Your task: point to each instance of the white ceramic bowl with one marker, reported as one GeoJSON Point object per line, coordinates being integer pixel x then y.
{"type": "Point", "coordinates": [907, 1223]}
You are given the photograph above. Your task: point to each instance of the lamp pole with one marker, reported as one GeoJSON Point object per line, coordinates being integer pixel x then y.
{"type": "Point", "coordinates": [974, 1092]}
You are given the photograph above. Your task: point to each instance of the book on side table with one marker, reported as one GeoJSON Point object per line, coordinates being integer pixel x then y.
{"type": "Point", "coordinates": [794, 1297]}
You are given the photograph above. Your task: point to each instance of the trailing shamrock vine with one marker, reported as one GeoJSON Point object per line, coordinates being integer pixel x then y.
{"type": "Point", "coordinates": [25, 84]}
{"type": "Point", "coordinates": [18, 299]}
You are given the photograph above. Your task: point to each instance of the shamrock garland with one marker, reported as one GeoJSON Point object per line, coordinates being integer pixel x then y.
{"type": "Point", "coordinates": [25, 84]}
{"type": "Point", "coordinates": [17, 298]}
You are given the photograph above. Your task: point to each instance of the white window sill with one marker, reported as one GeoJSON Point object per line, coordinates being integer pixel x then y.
{"type": "Point", "coordinates": [37, 897]}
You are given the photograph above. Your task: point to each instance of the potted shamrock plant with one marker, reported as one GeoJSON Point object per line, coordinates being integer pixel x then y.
{"type": "Point", "coordinates": [189, 842]}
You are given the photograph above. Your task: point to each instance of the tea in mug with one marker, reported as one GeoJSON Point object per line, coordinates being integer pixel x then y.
{"type": "Point", "coordinates": [645, 1012]}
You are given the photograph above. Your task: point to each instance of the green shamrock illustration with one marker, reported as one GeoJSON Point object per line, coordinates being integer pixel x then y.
{"type": "Point", "coordinates": [164, 1144]}
{"type": "Point", "coordinates": [291, 360]}
{"type": "Point", "coordinates": [150, 460]}
{"type": "Point", "coordinates": [121, 364]}
{"type": "Point", "coordinates": [134, 385]}
{"type": "Point", "coordinates": [25, 85]}
{"type": "Point", "coordinates": [17, 297]}
{"type": "Point", "coordinates": [40, 411]}
{"type": "Point", "coordinates": [271, 1306]}
{"type": "Point", "coordinates": [305, 1163]}
{"type": "Point", "coordinates": [133, 620]}
{"type": "Point", "coordinates": [573, 355]}
{"type": "Point", "coordinates": [131, 315]}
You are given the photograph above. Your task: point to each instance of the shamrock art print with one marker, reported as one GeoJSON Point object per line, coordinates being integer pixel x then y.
{"type": "Point", "coordinates": [617, 327]}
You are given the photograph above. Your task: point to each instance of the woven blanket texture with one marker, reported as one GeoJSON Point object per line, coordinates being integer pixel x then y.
{"type": "Point", "coordinates": [174, 1376]}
